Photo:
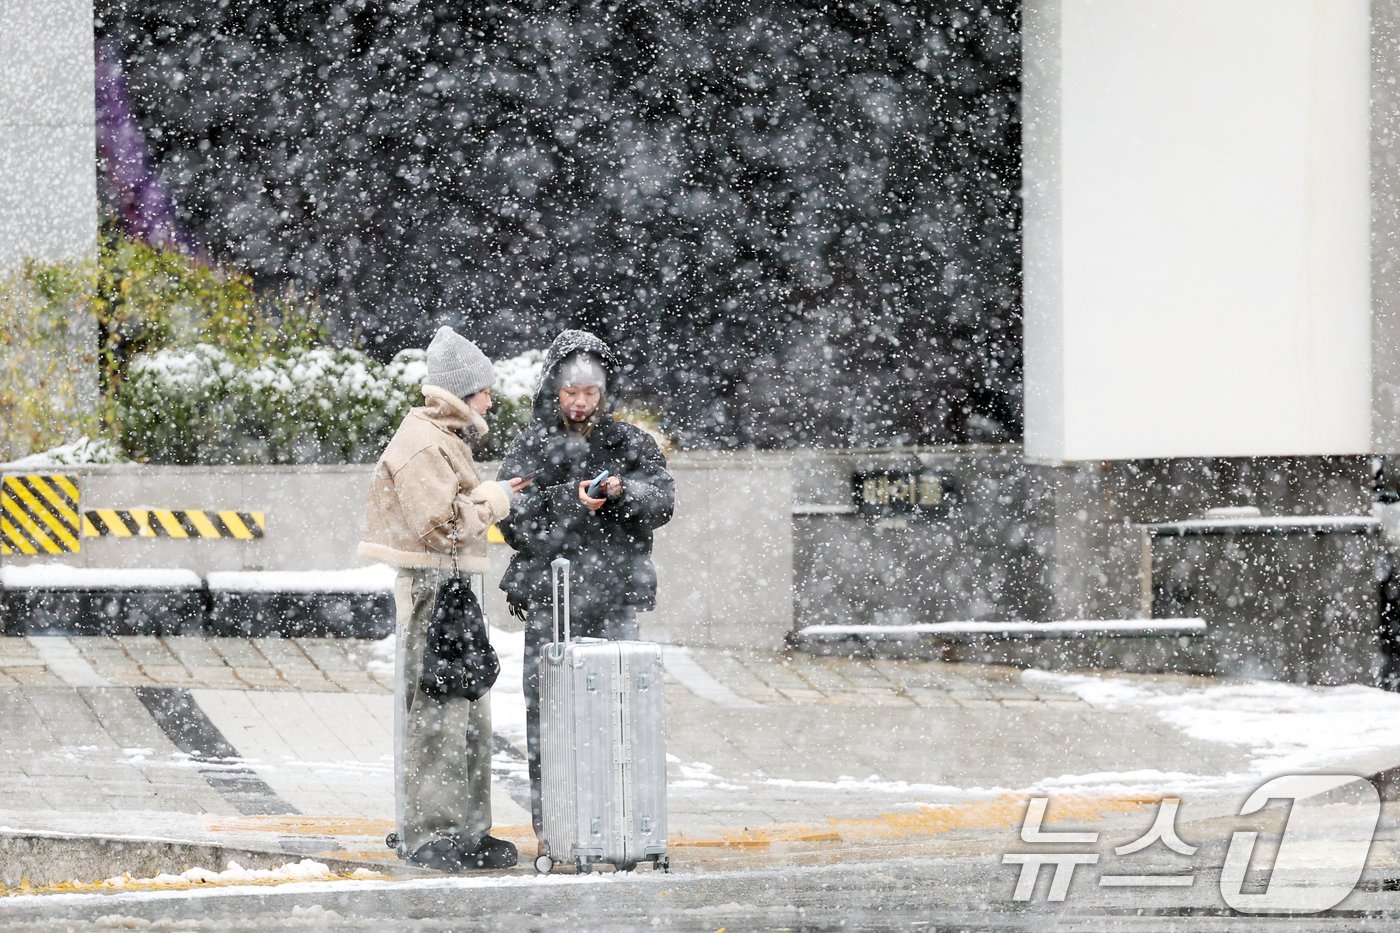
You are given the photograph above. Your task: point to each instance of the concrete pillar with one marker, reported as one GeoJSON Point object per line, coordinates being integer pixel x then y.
{"type": "Point", "coordinates": [1197, 255]}
{"type": "Point", "coordinates": [48, 212]}
{"type": "Point", "coordinates": [48, 181]}
{"type": "Point", "coordinates": [1385, 225]}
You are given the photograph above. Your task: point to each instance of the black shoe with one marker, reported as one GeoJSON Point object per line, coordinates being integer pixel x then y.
{"type": "Point", "coordinates": [492, 853]}
{"type": "Point", "coordinates": [439, 855]}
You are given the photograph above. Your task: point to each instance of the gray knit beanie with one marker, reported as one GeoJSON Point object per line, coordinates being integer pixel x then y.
{"type": "Point", "coordinates": [457, 365]}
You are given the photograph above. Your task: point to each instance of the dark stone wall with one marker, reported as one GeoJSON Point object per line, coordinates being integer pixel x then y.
{"type": "Point", "coordinates": [1042, 542]}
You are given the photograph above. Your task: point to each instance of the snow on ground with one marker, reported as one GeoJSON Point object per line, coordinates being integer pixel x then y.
{"type": "Point", "coordinates": [362, 880]}
{"type": "Point", "coordinates": [1287, 728]}
{"type": "Point", "coordinates": [381, 655]}
{"type": "Point", "coordinates": [507, 699]}
{"type": "Point", "coordinates": [305, 870]}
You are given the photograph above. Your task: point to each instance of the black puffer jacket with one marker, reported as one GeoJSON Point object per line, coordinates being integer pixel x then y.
{"type": "Point", "coordinates": [611, 548]}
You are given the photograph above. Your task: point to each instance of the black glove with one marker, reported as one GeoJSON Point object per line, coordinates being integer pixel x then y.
{"type": "Point", "coordinates": [519, 606]}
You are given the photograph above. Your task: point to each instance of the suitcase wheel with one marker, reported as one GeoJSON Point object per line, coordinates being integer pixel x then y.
{"type": "Point", "coordinates": [584, 866]}
{"type": "Point", "coordinates": [392, 840]}
{"type": "Point", "coordinates": [662, 863]}
{"type": "Point", "coordinates": [544, 864]}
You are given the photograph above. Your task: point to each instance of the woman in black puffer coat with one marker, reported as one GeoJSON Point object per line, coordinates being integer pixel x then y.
{"type": "Point", "coordinates": [570, 439]}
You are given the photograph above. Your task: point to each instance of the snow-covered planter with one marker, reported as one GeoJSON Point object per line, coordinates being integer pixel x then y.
{"type": "Point", "coordinates": [198, 406]}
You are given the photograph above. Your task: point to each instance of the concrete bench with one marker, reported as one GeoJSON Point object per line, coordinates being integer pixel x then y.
{"type": "Point", "coordinates": [55, 599]}
{"type": "Point", "coordinates": [356, 603]}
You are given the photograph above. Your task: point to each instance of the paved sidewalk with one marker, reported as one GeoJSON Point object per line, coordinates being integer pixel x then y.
{"type": "Point", "coordinates": [285, 746]}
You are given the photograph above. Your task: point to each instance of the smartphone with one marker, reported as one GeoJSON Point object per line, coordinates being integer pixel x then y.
{"type": "Point", "coordinates": [597, 481]}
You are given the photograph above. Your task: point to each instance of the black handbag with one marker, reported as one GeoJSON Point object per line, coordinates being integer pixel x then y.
{"type": "Point", "coordinates": [458, 660]}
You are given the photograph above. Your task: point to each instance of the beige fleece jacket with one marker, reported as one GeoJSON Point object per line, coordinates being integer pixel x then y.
{"type": "Point", "coordinates": [424, 477]}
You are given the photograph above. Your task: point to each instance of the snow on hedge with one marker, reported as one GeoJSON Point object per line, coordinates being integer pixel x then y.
{"type": "Point", "coordinates": [321, 405]}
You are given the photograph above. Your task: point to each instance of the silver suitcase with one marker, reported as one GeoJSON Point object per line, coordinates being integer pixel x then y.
{"type": "Point", "coordinates": [602, 747]}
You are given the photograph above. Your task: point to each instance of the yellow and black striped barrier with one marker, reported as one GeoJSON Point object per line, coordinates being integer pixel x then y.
{"type": "Point", "coordinates": [172, 523]}
{"type": "Point", "coordinates": [38, 514]}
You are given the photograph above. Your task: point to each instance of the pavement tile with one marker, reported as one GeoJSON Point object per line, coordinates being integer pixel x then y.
{"type": "Point", "coordinates": [241, 716]}
{"type": "Point", "coordinates": [14, 648]}
{"type": "Point", "coordinates": [146, 650]}
{"type": "Point", "coordinates": [285, 654]}
{"type": "Point", "coordinates": [221, 676]}
{"type": "Point", "coordinates": [35, 736]}
{"type": "Point", "coordinates": [861, 670]}
{"type": "Point", "coordinates": [122, 673]}
{"type": "Point", "coordinates": [361, 651]}
{"type": "Point", "coordinates": [330, 655]}
{"type": "Point", "coordinates": [921, 673]}
{"type": "Point", "coordinates": [170, 675]}
{"type": "Point", "coordinates": [125, 719]}
{"type": "Point", "coordinates": [822, 677]}
{"type": "Point", "coordinates": [358, 743]}
{"type": "Point", "coordinates": [752, 681]}
{"type": "Point", "coordinates": [777, 672]}
{"type": "Point", "coordinates": [68, 718]}
{"type": "Point", "coordinates": [194, 651]}
{"type": "Point", "coordinates": [378, 708]}
{"type": "Point", "coordinates": [296, 720]}
{"type": "Point", "coordinates": [239, 653]}
{"type": "Point", "coordinates": [35, 677]}
{"type": "Point", "coordinates": [314, 680]}
{"type": "Point", "coordinates": [935, 701]}
{"type": "Point", "coordinates": [356, 682]}
{"type": "Point", "coordinates": [261, 678]}
{"type": "Point", "coordinates": [20, 801]}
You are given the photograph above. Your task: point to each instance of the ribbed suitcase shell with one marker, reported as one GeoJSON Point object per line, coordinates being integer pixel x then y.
{"type": "Point", "coordinates": [603, 751]}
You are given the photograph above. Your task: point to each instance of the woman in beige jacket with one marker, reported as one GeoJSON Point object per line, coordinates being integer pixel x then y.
{"type": "Point", "coordinates": [425, 501]}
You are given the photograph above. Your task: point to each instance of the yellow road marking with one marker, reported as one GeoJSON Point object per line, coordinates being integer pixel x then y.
{"type": "Point", "coordinates": [1003, 812]}
{"type": "Point", "coordinates": [303, 825]}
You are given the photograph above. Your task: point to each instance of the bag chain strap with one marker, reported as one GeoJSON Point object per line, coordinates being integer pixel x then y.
{"type": "Point", "coordinates": [453, 538]}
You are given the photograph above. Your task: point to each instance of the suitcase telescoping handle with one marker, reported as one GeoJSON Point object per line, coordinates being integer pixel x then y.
{"type": "Point", "coordinates": [559, 572]}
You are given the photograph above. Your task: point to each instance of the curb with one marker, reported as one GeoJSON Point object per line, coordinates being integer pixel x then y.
{"type": "Point", "coordinates": [40, 859]}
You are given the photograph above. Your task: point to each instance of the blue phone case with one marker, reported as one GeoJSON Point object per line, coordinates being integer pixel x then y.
{"type": "Point", "coordinates": [597, 481]}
